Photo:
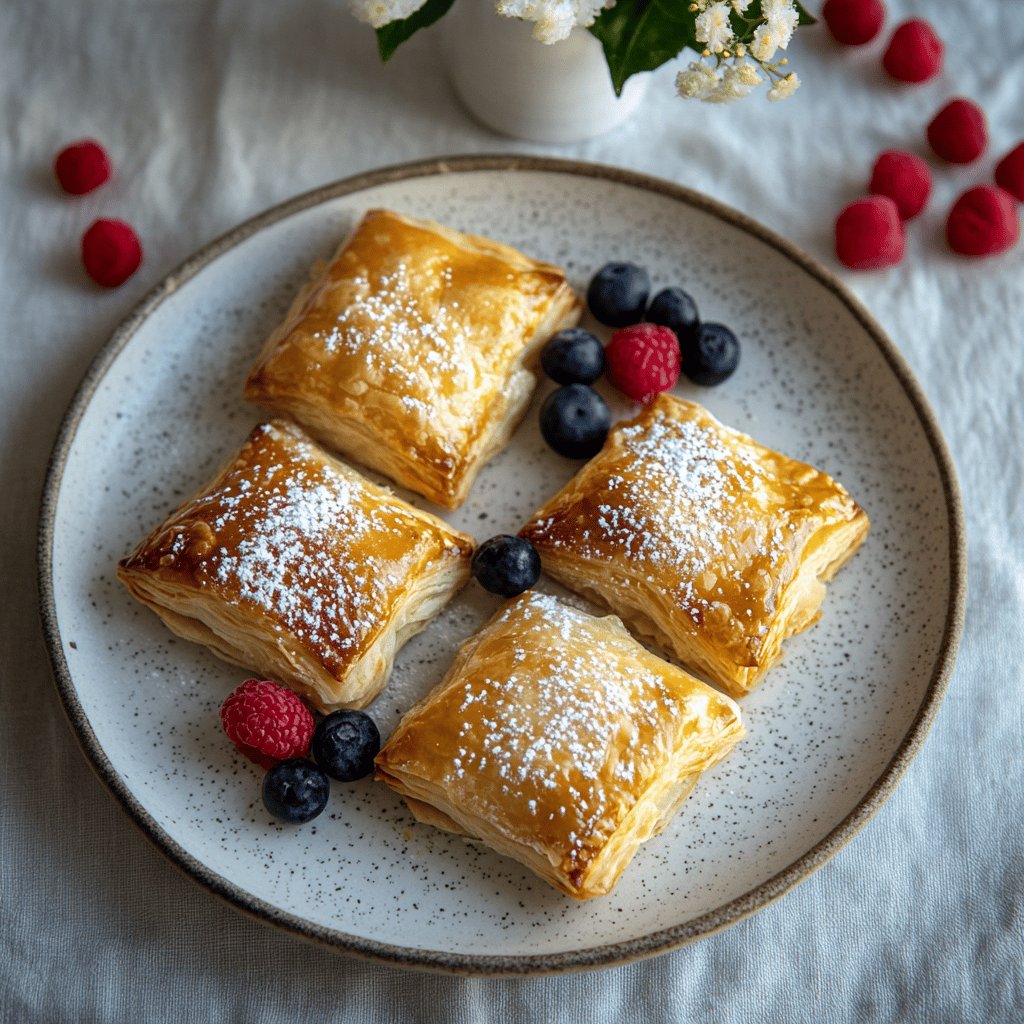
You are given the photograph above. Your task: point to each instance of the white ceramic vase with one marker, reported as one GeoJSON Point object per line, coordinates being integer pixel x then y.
{"type": "Point", "coordinates": [559, 92]}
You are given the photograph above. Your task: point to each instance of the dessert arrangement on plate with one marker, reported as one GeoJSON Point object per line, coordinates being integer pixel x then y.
{"type": "Point", "coordinates": [557, 737]}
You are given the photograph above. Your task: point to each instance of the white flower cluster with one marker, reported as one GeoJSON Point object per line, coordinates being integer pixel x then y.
{"type": "Point", "coordinates": [382, 12]}
{"type": "Point", "coordinates": [554, 19]}
{"type": "Point", "coordinates": [780, 21]}
{"type": "Point", "coordinates": [784, 87]}
{"type": "Point", "coordinates": [733, 75]}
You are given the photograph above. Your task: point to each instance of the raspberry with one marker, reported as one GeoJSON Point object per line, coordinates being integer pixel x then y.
{"type": "Point", "coordinates": [914, 53]}
{"type": "Point", "coordinates": [854, 22]}
{"type": "Point", "coordinates": [267, 722]}
{"type": "Point", "coordinates": [957, 132]}
{"type": "Point", "coordinates": [983, 222]}
{"type": "Point", "coordinates": [869, 234]}
{"type": "Point", "coordinates": [642, 360]}
{"type": "Point", "coordinates": [81, 167]}
{"type": "Point", "coordinates": [904, 178]}
{"type": "Point", "coordinates": [111, 252]}
{"type": "Point", "coordinates": [1010, 172]}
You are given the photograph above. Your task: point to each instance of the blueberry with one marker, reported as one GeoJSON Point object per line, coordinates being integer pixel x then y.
{"type": "Point", "coordinates": [618, 293]}
{"type": "Point", "coordinates": [506, 565]}
{"type": "Point", "coordinates": [574, 421]}
{"type": "Point", "coordinates": [574, 356]}
{"type": "Point", "coordinates": [295, 790]}
{"type": "Point", "coordinates": [345, 744]}
{"type": "Point", "coordinates": [713, 356]}
{"type": "Point", "coordinates": [672, 307]}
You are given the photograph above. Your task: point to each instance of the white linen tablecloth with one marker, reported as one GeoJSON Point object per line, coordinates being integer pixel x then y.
{"type": "Point", "coordinates": [215, 109]}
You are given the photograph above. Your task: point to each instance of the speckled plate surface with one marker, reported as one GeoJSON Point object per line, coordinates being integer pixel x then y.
{"type": "Point", "coordinates": [830, 730]}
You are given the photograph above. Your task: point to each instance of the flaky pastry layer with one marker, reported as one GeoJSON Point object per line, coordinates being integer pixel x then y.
{"type": "Point", "coordinates": [712, 545]}
{"type": "Point", "coordinates": [413, 351]}
{"type": "Point", "coordinates": [292, 564]}
{"type": "Point", "coordinates": [558, 740]}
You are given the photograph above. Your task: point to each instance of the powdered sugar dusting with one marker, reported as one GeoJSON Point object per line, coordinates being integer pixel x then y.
{"type": "Point", "coordinates": [688, 507]}
{"type": "Point", "coordinates": [292, 535]}
{"type": "Point", "coordinates": [567, 722]}
{"type": "Point", "coordinates": [422, 328]}
{"type": "Point", "coordinates": [387, 318]}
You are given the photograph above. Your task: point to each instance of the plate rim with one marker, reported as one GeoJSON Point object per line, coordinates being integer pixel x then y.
{"type": "Point", "coordinates": [609, 954]}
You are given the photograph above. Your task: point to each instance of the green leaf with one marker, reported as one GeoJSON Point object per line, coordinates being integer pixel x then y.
{"type": "Point", "coordinates": [390, 37]}
{"type": "Point", "coordinates": [806, 18]}
{"type": "Point", "coordinates": [639, 36]}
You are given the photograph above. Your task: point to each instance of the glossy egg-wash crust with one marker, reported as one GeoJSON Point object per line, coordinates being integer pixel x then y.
{"type": "Point", "coordinates": [293, 564]}
{"type": "Point", "coordinates": [414, 350]}
{"type": "Point", "coordinates": [711, 544]}
{"type": "Point", "coordinates": [557, 739]}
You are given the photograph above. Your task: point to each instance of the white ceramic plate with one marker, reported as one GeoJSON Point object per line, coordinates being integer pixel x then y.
{"type": "Point", "coordinates": [830, 730]}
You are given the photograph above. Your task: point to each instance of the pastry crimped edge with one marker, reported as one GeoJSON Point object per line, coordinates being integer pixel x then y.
{"type": "Point", "coordinates": [358, 441]}
{"type": "Point", "coordinates": [648, 817]}
{"type": "Point", "coordinates": [804, 594]}
{"type": "Point", "coordinates": [222, 628]}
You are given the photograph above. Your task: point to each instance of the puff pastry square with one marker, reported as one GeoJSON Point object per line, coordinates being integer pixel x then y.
{"type": "Point", "coordinates": [293, 565]}
{"type": "Point", "coordinates": [413, 351]}
{"type": "Point", "coordinates": [700, 538]}
{"type": "Point", "coordinates": [558, 740]}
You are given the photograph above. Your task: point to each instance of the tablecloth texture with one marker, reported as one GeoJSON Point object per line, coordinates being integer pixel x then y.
{"type": "Point", "coordinates": [216, 109]}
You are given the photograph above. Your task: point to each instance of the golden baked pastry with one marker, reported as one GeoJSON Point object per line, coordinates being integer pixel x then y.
{"type": "Point", "coordinates": [700, 538]}
{"type": "Point", "coordinates": [293, 565]}
{"type": "Point", "coordinates": [558, 740]}
{"type": "Point", "coordinates": [413, 351]}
